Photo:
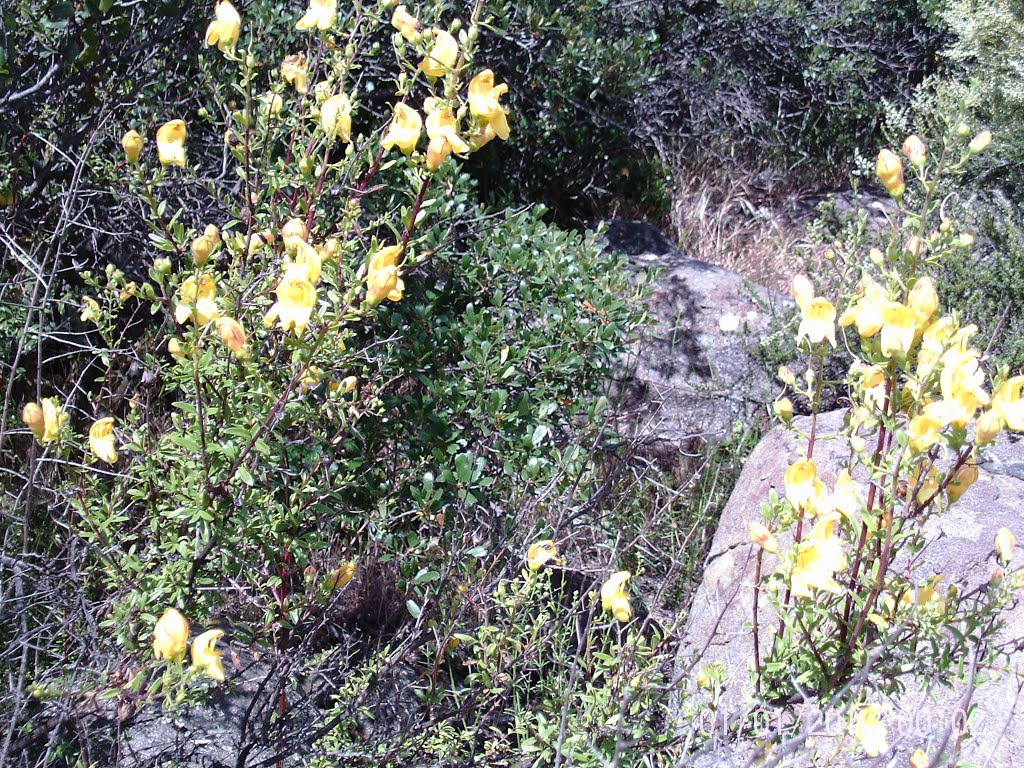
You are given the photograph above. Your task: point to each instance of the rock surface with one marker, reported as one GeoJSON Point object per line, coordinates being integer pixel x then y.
{"type": "Point", "coordinates": [961, 549]}
{"type": "Point", "coordinates": [694, 374]}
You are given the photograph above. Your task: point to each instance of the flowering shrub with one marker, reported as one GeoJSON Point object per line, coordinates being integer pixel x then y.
{"type": "Point", "coordinates": [847, 583]}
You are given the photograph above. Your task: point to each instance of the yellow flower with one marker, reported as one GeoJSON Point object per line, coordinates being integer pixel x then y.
{"type": "Point", "coordinates": [541, 553]}
{"type": "Point", "coordinates": [336, 117]}
{"type": "Point", "coordinates": [799, 482]}
{"type": "Point", "coordinates": [296, 298]}
{"type": "Point", "coordinates": [818, 322]}
{"type": "Point", "coordinates": [90, 309]}
{"type": "Point", "coordinates": [889, 171]}
{"type": "Point", "coordinates": [223, 30]}
{"type": "Point", "coordinates": [293, 70]}
{"type": "Point", "coordinates": [870, 731]}
{"type": "Point", "coordinates": [170, 636]}
{"type": "Point", "coordinates": [484, 105]}
{"type": "Point", "coordinates": [443, 137]}
{"type": "Point", "coordinates": [101, 440]}
{"type": "Point", "coordinates": [132, 143]}
{"type": "Point", "coordinates": [206, 657]}
{"type": "Point", "coordinates": [1005, 542]}
{"type": "Point", "coordinates": [845, 499]}
{"type": "Point", "coordinates": [308, 258]}
{"type": "Point", "coordinates": [980, 142]}
{"type": "Point", "coordinates": [441, 56]}
{"type": "Point", "coordinates": [203, 245]}
{"type": "Point", "coordinates": [963, 478]}
{"type": "Point", "coordinates": [929, 485]}
{"type": "Point", "coordinates": [801, 290]}
{"type": "Point", "coordinates": [340, 576]}
{"type": "Point", "coordinates": [989, 425]}
{"type": "Point", "coordinates": [404, 131]}
{"type": "Point", "coordinates": [923, 431]}
{"type": "Point", "coordinates": [924, 596]}
{"type": "Point", "coordinates": [614, 597]}
{"type": "Point", "coordinates": [760, 535]}
{"type": "Point", "coordinates": [321, 14]}
{"type": "Point", "coordinates": [933, 342]}
{"type": "Point", "coordinates": [198, 301]}
{"type": "Point", "coordinates": [1008, 403]}
{"type": "Point", "coordinates": [233, 336]}
{"type": "Point", "coordinates": [170, 143]}
{"type": "Point", "coordinates": [32, 416]}
{"type": "Point", "coordinates": [54, 419]}
{"type": "Point", "coordinates": [866, 312]}
{"type": "Point", "coordinates": [348, 384]}
{"type": "Point", "coordinates": [383, 284]}
{"type": "Point", "coordinates": [818, 557]}
{"type": "Point", "coordinates": [405, 23]}
{"type": "Point", "coordinates": [923, 301]}
{"type": "Point", "coordinates": [176, 348]}
{"type": "Point", "coordinates": [898, 329]}
{"type": "Point", "coordinates": [292, 233]}
{"type": "Point", "coordinates": [915, 151]}
{"type": "Point", "coordinates": [385, 257]}
{"type": "Point", "coordinates": [710, 675]}
{"type": "Point", "coordinates": [919, 759]}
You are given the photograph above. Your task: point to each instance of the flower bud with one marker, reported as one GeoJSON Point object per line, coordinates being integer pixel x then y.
{"type": "Point", "coordinates": [988, 428]}
{"type": "Point", "coordinates": [963, 130]}
{"type": "Point", "coordinates": [915, 151]}
{"type": "Point", "coordinates": [786, 375]}
{"type": "Point", "coordinates": [292, 232]}
{"type": "Point", "coordinates": [132, 142]}
{"type": "Point", "coordinates": [202, 247]}
{"type": "Point", "coordinates": [980, 142]}
{"type": "Point", "coordinates": [162, 266]}
{"type": "Point", "coordinates": [1005, 542]}
{"type": "Point", "coordinates": [176, 348]}
{"type": "Point", "coordinates": [760, 535]}
{"type": "Point", "coordinates": [233, 335]}
{"type": "Point", "coordinates": [783, 409]}
{"type": "Point", "coordinates": [889, 170]}
{"type": "Point", "coordinates": [348, 384]}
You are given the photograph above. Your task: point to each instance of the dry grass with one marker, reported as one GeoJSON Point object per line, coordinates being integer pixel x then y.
{"type": "Point", "coordinates": [750, 226]}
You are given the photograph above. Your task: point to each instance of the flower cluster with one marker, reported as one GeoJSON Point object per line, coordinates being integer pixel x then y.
{"type": "Point", "coordinates": [170, 641]}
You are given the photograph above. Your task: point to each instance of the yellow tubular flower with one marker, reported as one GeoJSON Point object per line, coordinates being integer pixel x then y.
{"type": "Point", "coordinates": [963, 479]}
{"type": "Point", "coordinates": [405, 23]}
{"type": "Point", "coordinates": [309, 259]}
{"type": "Point", "coordinates": [293, 70]}
{"type": "Point", "coordinates": [321, 14]}
{"type": "Point", "coordinates": [336, 117]}
{"type": "Point", "coordinates": [923, 301]}
{"type": "Point", "coordinates": [198, 301]}
{"type": "Point", "coordinates": [380, 283]}
{"type": "Point", "coordinates": [170, 636]}
{"type": "Point", "coordinates": [870, 731]}
{"type": "Point", "coordinates": [441, 56]}
{"type": "Point", "coordinates": [404, 131]}
{"type": "Point", "coordinates": [1005, 542]}
{"type": "Point", "coordinates": [484, 105]}
{"type": "Point", "coordinates": [292, 233]}
{"type": "Point", "coordinates": [32, 416]}
{"type": "Point", "coordinates": [132, 143]}
{"type": "Point", "coordinates": [90, 309]}
{"type": "Point", "coordinates": [924, 431]}
{"type": "Point", "coordinates": [296, 298]}
{"type": "Point", "coordinates": [223, 30]}
{"type": "Point", "coordinates": [818, 557]}
{"type": "Point", "coordinates": [866, 312]}
{"type": "Point", "coordinates": [385, 257]}
{"type": "Point", "coordinates": [899, 325]}
{"type": "Point", "coordinates": [614, 597]}
{"type": "Point", "coordinates": [170, 143]}
{"type": "Point", "coordinates": [919, 759]}
{"type": "Point", "coordinates": [206, 657]}
{"type": "Point", "coordinates": [783, 409]}
{"type": "Point", "coordinates": [1008, 403]}
{"type": "Point", "coordinates": [54, 419]}
{"type": "Point", "coordinates": [760, 535]}
{"type": "Point", "coordinates": [340, 576]}
{"type": "Point", "coordinates": [980, 142]}
{"type": "Point", "coordinates": [818, 322]}
{"type": "Point", "coordinates": [541, 553]}
{"type": "Point", "coordinates": [799, 482]}
{"type": "Point", "coordinates": [176, 348]}
{"type": "Point", "coordinates": [101, 440]}
{"type": "Point", "coordinates": [441, 128]}
{"type": "Point", "coordinates": [889, 170]}
{"type": "Point", "coordinates": [929, 485]}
